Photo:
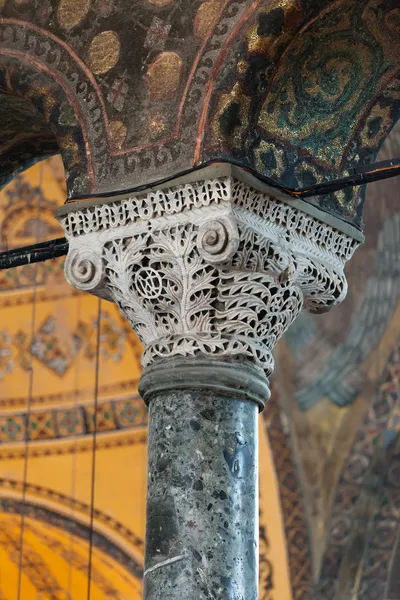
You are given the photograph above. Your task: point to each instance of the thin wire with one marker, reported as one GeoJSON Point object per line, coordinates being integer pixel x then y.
{"type": "Point", "coordinates": [74, 457]}
{"type": "Point", "coordinates": [30, 393]}
{"type": "Point", "coordinates": [96, 394]}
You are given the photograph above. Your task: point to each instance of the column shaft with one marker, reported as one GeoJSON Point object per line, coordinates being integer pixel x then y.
{"type": "Point", "coordinates": [202, 504]}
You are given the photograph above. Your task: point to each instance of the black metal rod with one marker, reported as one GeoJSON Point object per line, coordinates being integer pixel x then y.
{"type": "Point", "coordinates": [361, 176]}
{"type": "Point", "coordinates": [33, 254]}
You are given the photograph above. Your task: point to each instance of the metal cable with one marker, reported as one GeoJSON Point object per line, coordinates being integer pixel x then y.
{"type": "Point", "coordinates": [74, 458]}
{"type": "Point", "coordinates": [30, 393]}
{"type": "Point", "coordinates": [96, 395]}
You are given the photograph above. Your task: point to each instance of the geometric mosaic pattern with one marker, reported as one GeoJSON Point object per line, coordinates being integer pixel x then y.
{"type": "Point", "coordinates": [12, 428]}
{"type": "Point", "coordinates": [125, 413]}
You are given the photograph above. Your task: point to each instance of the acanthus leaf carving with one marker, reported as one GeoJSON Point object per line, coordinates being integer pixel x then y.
{"type": "Point", "coordinates": [213, 268]}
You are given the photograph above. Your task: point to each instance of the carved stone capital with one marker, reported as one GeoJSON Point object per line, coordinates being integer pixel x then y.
{"type": "Point", "coordinates": [212, 268]}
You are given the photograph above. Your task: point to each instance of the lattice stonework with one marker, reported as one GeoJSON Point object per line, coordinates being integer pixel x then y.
{"type": "Point", "coordinates": [213, 267]}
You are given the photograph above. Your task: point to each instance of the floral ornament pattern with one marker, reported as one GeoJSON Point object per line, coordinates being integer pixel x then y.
{"type": "Point", "coordinates": [212, 268]}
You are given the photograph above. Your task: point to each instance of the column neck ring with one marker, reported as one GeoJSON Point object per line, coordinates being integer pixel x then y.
{"type": "Point", "coordinates": [237, 379]}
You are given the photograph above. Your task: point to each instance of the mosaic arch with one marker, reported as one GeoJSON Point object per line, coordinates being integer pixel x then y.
{"type": "Point", "coordinates": [55, 558]}
{"type": "Point", "coordinates": [297, 91]}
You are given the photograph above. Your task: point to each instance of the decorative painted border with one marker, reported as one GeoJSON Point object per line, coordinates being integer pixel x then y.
{"type": "Point", "coordinates": [73, 396]}
{"type": "Point", "coordinates": [73, 421]}
{"type": "Point", "coordinates": [379, 429]}
{"type": "Point", "coordinates": [81, 444]}
{"type": "Point", "coordinates": [296, 529]}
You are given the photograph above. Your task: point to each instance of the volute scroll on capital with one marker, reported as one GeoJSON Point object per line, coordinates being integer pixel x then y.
{"type": "Point", "coordinates": [213, 268]}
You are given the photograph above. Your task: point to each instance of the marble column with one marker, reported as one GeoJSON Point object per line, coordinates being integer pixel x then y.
{"type": "Point", "coordinates": [209, 272]}
{"type": "Point", "coordinates": [202, 496]}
